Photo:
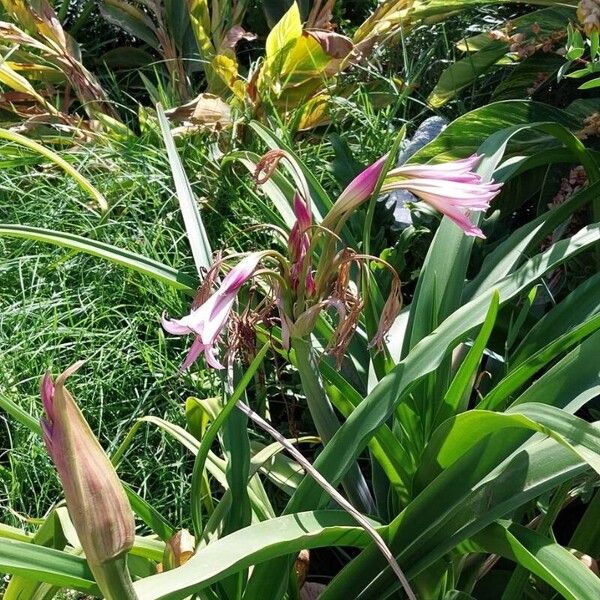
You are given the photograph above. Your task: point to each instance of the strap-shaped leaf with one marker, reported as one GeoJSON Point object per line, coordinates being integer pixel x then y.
{"type": "Point", "coordinates": [252, 545]}
{"type": "Point", "coordinates": [192, 220]}
{"type": "Point", "coordinates": [544, 558]}
{"type": "Point", "coordinates": [355, 433]}
{"type": "Point", "coordinates": [46, 564]}
{"type": "Point", "coordinates": [132, 260]}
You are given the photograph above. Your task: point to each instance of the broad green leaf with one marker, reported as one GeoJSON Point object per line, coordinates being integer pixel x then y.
{"type": "Point", "coordinates": [511, 252]}
{"type": "Point", "coordinates": [252, 545]}
{"type": "Point", "coordinates": [495, 478]}
{"type": "Point", "coordinates": [550, 562]}
{"type": "Point", "coordinates": [457, 397]}
{"type": "Point", "coordinates": [464, 135]}
{"type": "Point", "coordinates": [133, 20]}
{"type": "Point", "coordinates": [358, 429]}
{"type": "Point", "coordinates": [377, 407]}
{"type": "Point", "coordinates": [282, 37]}
{"type": "Point", "coordinates": [198, 240]}
{"type": "Point", "coordinates": [435, 8]}
{"type": "Point", "coordinates": [46, 564]}
{"type": "Point", "coordinates": [524, 371]}
{"type": "Point", "coordinates": [487, 52]}
{"type": "Point", "coordinates": [528, 76]}
{"type": "Point", "coordinates": [586, 537]}
{"type": "Point", "coordinates": [463, 72]}
{"type": "Point", "coordinates": [120, 256]}
{"type": "Point", "coordinates": [456, 436]}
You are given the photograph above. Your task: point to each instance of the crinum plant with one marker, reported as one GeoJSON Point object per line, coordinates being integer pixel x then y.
{"type": "Point", "coordinates": [464, 419]}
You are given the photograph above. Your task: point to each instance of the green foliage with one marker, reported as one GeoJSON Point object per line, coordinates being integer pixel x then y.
{"type": "Point", "coordinates": [450, 464]}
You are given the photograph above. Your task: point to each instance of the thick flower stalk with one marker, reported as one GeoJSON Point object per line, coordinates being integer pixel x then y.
{"type": "Point", "coordinates": [95, 498]}
{"type": "Point", "coordinates": [452, 189]}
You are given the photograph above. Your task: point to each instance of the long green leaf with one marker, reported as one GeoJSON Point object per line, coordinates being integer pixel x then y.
{"type": "Point", "coordinates": [320, 197]}
{"type": "Point", "coordinates": [529, 367]}
{"type": "Point", "coordinates": [571, 382]}
{"type": "Point", "coordinates": [17, 138]}
{"type": "Point", "coordinates": [579, 306]}
{"type": "Point", "coordinates": [126, 258]}
{"type": "Point", "coordinates": [355, 433]}
{"type": "Point", "coordinates": [458, 393]}
{"type": "Point", "coordinates": [544, 558]}
{"type": "Point", "coordinates": [463, 136]}
{"type": "Point", "coordinates": [496, 477]}
{"type": "Point", "coordinates": [46, 564]}
{"type": "Point", "coordinates": [211, 433]}
{"type": "Point", "coordinates": [456, 436]}
{"type": "Point", "coordinates": [199, 244]}
{"type": "Point", "coordinates": [510, 253]}
{"type": "Point", "coordinates": [252, 545]}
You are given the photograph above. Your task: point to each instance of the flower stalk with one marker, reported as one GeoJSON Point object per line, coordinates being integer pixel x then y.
{"type": "Point", "coordinates": [114, 580]}
{"type": "Point", "coordinates": [325, 419]}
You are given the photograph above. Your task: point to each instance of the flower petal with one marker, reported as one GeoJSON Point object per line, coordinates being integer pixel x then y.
{"type": "Point", "coordinates": [217, 319]}
{"type": "Point", "coordinates": [455, 170]}
{"type": "Point", "coordinates": [194, 352]}
{"type": "Point", "coordinates": [210, 358]}
{"type": "Point", "coordinates": [459, 218]}
{"type": "Point", "coordinates": [474, 197]}
{"type": "Point", "coordinates": [174, 326]}
{"type": "Point", "coordinates": [239, 274]}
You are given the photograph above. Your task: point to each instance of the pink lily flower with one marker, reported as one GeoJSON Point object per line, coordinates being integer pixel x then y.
{"type": "Point", "coordinates": [451, 188]}
{"type": "Point", "coordinates": [357, 191]}
{"type": "Point", "coordinates": [208, 320]}
{"type": "Point", "coordinates": [299, 244]}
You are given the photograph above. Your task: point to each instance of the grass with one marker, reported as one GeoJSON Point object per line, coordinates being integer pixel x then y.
{"type": "Point", "coordinates": [58, 307]}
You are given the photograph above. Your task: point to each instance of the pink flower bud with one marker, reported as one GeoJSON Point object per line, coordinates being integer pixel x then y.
{"type": "Point", "coordinates": [95, 498]}
{"type": "Point", "coordinates": [357, 191]}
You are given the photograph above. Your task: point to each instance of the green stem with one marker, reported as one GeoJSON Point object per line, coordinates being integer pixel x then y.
{"type": "Point", "coordinates": [114, 580]}
{"type": "Point", "coordinates": [326, 421]}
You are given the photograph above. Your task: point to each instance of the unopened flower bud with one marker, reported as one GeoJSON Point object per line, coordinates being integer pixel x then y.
{"type": "Point", "coordinates": [95, 498]}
